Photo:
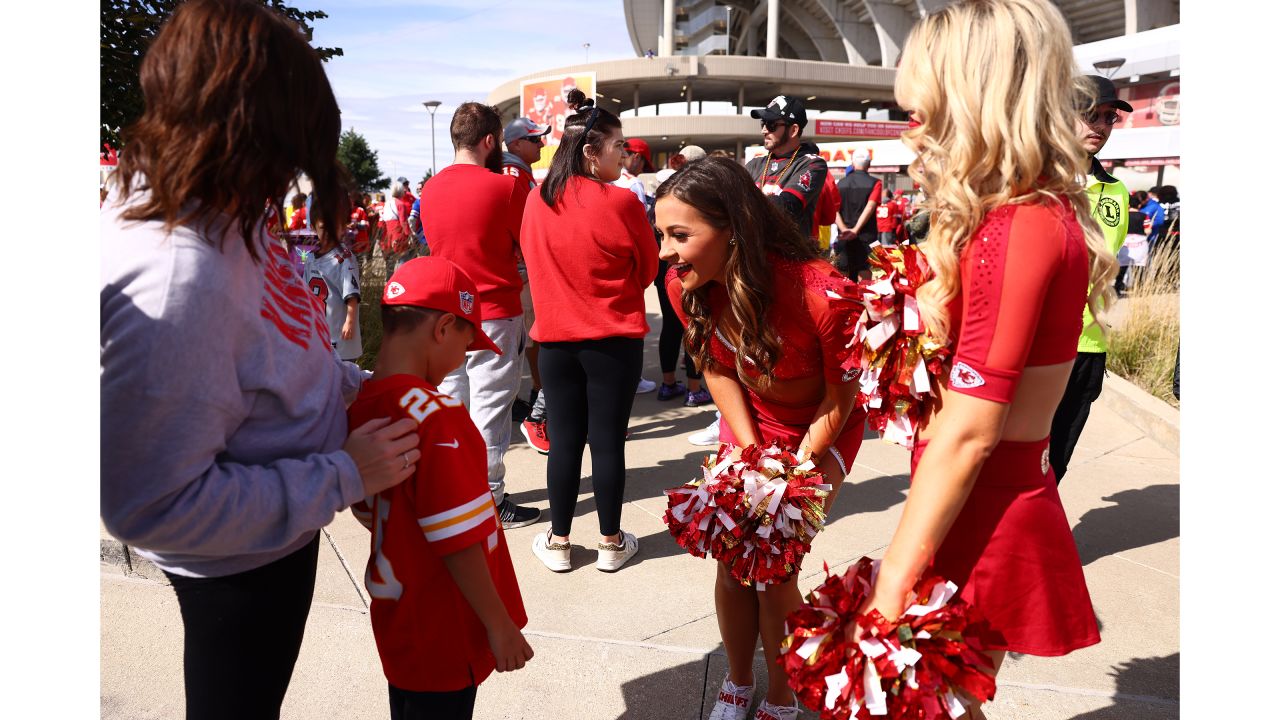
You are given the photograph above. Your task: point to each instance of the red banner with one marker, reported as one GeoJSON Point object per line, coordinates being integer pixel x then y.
{"type": "Point", "coordinates": [859, 128]}
{"type": "Point", "coordinates": [1152, 162]}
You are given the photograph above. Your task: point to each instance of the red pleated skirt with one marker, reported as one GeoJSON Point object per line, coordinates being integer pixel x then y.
{"type": "Point", "coordinates": [1012, 554]}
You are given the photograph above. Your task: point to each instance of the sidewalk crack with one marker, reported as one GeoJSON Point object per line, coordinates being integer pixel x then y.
{"type": "Point", "coordinates": [346, 568]}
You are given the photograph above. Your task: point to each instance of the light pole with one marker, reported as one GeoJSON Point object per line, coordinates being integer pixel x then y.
{"type": "Point", "coordinates": [586, 49]}
{"type": "Point", "coordinates": [431, 106]}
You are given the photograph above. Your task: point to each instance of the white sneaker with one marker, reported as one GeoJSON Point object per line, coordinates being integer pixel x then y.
{"type": "Point", "coordinates": [554, 555]}
{"type": "Point", "coordinates": [733, 701]}
{"type": "Point", "coordinates": [613, 556]}
{"type": "Point", "coordinates": [710, 435]}
{"type": "Point", "coordinates": [769, 711]}
{"type": "Point", "coordinates": [646, 386]}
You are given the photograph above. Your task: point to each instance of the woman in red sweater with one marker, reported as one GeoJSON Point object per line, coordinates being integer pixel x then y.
{"type": "Point", "coordinates": [590, 254]}
{"type": "Point", "coordinates": [757, 305]}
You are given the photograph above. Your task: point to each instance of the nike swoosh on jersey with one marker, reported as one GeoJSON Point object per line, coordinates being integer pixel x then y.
{"type": "Point", "coordinates": [454, 444]}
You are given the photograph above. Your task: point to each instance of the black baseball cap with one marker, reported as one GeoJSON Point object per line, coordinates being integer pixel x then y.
{"type": "Point", "coordinates": [1106, 92]}
{"type": "Point", "coordinates": [783, 107]}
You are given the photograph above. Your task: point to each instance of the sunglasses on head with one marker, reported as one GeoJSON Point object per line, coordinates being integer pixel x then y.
{"type": "Point", "coordinates": [1110, 118]}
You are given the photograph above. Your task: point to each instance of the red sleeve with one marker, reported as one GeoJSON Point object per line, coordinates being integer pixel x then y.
{"type": "Point", "coordinates": [675, 293]}
{"type": "Point", "coordinates": [641, 232]}
{"type": "Point", "coordinates": [515, 211]}
{"type": "Point", "coordinates": [875, 193]}
{"type": "Point", "coordinates": [1004, 274]}
{"type": "Point", "coordinates": [452, 501]}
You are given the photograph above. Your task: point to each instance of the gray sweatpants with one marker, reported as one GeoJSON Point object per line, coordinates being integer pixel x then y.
{"type": "Point", "coordinates": [487, 384]}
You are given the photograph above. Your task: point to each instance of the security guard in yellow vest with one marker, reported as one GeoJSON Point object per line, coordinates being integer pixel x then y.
{"type": "Point", "coordinates": [1109, 201]}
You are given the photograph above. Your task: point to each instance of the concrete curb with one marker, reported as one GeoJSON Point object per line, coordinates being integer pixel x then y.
{"type": "Point", "coordinates": [1159, 420]}
{"type": "Point", "coordinates": [114, 552]}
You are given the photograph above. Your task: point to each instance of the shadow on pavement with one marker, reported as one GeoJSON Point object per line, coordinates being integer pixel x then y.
{"type": "Point", "coordinates": [1145, 688]}
{"type": "Point", "coordinates": [675, 693]}
{"type": "Point", "coordinates": [873, 495]}
{"type": "Point", "coordinates": [1139, 518]}
{"type": "Point", "coordinates": [688, 691]}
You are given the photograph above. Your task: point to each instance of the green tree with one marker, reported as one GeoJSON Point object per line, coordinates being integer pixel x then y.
{"type": "Point", "coordinates": [128, 27]}
{"type": "Point", "coordinates": [361, 161]}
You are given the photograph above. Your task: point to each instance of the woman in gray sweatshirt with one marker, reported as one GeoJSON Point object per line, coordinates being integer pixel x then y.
{"type": "Point", "coordinates": [225, 444]}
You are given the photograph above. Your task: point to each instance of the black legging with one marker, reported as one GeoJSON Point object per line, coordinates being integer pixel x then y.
{"type": "Point", "coordinates": [670, 341]}
{"type": "Point", "coordinates": [241, 635]}
{"type": "Point", "coordinates": [590, 386]}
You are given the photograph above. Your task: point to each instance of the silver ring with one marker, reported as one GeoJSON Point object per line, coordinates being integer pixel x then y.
{"type": "Point", "coordinates": [406, 459]}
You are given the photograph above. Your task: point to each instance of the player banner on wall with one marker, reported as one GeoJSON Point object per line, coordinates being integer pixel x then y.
{"type": "Point", "coordinates": [543, 100]}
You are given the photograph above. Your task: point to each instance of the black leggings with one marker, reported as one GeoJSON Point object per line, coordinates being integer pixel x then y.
{"type": "Point", "coordinates": [1084, 386]}
{"type": "Point", "coordinates": [410, 705]}
{"type": "Point", "coordinates": [672, 337]}
{"type": "Point", "coordinates": [590, 386]}
{"type": "Point", "coordinates": [242, 633]}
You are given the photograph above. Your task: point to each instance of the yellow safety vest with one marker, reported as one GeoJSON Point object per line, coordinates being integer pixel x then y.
{"type": "Point", "coordinates": [1109, 204]}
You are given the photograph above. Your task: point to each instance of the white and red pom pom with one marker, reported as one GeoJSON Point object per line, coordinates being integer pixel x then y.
{"type": "Point", "coordinates": [915, 668]}
{"type": "Point", "coordinates": [900, 366]}
{"type": "Point", "coordinates": [757, 512]}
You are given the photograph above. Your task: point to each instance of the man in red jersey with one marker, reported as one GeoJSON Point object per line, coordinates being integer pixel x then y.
{"type": "Point", "coordinates": [523, 138]}
{"type": "Point", "coordinates": [471, 215]}
{"type": "Point", "coordinates": [888, 219]}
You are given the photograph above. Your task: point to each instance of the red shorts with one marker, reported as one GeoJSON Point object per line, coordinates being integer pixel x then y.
{"type": "Point", "coordinates": [788, 424]}
{"type": "Point", "coordinates": [1012, 554]}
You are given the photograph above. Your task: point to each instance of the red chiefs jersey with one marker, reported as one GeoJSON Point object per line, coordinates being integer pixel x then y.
{"type": "Point", "coordinates": [888, 216]}
{"type": "Point", "coordinates": [522, 176]}
{"type": "Point", "coordinates": [360, 243]}
{"type": "Point", "coordinates": [429, 638]}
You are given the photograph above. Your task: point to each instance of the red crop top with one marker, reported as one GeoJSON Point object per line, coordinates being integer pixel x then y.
{"type": "Point", "coordinates": [1024, 279]}
{"type": "Point", "coordinates": [814, 331]}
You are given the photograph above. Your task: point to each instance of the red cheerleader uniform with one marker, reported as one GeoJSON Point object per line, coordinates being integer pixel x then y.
{"type": "Point", "coordinates": [1023, 278]}
{"type": "Point", "coordinates": [813, 335]}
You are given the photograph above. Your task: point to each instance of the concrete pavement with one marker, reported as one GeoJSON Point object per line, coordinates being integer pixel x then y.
{"type": "Point", "coordinates": [643, 643]}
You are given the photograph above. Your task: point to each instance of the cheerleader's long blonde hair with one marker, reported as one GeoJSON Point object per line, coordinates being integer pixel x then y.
{"type": "Point", "coordinates": [994, 87]}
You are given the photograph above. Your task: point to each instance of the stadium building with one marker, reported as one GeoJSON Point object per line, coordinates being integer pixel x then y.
{"type": "Point", "coordinates": [701, 66]}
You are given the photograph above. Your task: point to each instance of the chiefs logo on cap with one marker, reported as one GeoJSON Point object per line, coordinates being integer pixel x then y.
{"type": "Point", "coordinates": [394, 290]}
{"type": "Point", "coordinates": [466, 302]}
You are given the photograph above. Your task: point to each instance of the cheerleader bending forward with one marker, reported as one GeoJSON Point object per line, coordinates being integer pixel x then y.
{"type": "Point", "coordinates": [1016, 255]}
{"type": "Point", "coordinates": [754, 298]}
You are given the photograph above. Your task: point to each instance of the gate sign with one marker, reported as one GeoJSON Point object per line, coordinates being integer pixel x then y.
{"type": "Point", "coordinates": [859, 128]}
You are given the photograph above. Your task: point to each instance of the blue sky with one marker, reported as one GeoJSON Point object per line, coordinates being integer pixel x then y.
{"type": "Point", "coordinates": [399, 53]}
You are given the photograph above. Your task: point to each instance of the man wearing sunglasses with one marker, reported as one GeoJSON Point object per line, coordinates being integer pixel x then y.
{"type": "Point", "coordinates": [793, 173]}
{"type": "Point", "coordinates": [523, 138]}
{"type": "Point", "coordinates": [1109, 203]}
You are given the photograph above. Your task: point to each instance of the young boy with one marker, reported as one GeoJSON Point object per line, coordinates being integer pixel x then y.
{"type": "Point", "coordinates": [333, 275]}
{"type": "Point", "coordinates": [446, 607]}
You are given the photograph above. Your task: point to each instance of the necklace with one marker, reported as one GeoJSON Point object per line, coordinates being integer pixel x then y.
{"type": "Point", "coordinates": [765, 169]}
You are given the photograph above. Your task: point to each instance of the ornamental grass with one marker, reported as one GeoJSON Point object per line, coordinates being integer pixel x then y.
{"type": "Point", "coordinates": [1144, 339]}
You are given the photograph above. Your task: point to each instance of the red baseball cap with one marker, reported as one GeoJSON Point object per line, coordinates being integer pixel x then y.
{"type": "Point", "coordinates": [641, 148]}
{"type": "Point", "coordinates": [435, 283]}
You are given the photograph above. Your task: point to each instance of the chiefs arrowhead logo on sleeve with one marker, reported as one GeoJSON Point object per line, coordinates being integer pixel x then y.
{"type": "Point", "coordinates": [963, 376]}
